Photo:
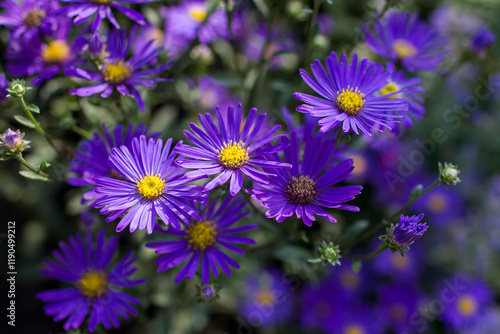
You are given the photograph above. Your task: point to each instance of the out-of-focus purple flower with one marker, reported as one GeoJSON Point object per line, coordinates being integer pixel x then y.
{"type": "Point", "coordinates": [96, 47]}
{"type": "Point", "coordinates": [28, 21]}
{"type": "Point", "coordinates": [397, 267]}
{"type": "Point", "coordinates": [212, 93]}
{"type": "Point", "coordinates": [470, 303]}
{"type": "Point", "coordinates": [267, 299]}
{"type": "Point", "coordinates": [325, 23]}
{"type": "Point", "coordinates": [47, 59]}
{"type": "Point", "coordinates": [119, 71]}
{"type": "Point", "coordinates": [442, 206]}
{"type": "Point", "coordinates": [82, 10]}
{"type": "Point", "coordinates": [488, 322]}
{"type": "Point", "coordinates": [482, 40]}
{"type": "Point", "coordinates": [399, 301]}
{"type": "Point", "coordinates": [12, 143]}
{"type": "Point", "coordinates": [87, 218]}
{"type": "Point", "coordinates": [144, 36]}
{"type": "Point", "coordinates": [405, 39]}
{"type": "Point", "coordinates": [4, 84]}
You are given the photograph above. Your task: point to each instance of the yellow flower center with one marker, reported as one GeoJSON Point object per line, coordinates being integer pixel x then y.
{"type": "Point", "coordinates": [199, 13]}
{"type": "Point", "coordinates": [265, 297]}
{"type": "Point", "coordinates": [156, 34]}
{"type": "Point", "coordinates": [437, 203]}
{"type": "Point", "coordinates": [56, 52]}
{"type": "Point", "coordinates": [360, 164]}
{"type": "Point", "coordinates": [404, 49]}
{"type": "Point", "coordinates": [467, 305]}
{"type": "Point", "coordinates": [34, 18]}
{"type": "Point", "coordinates": [151, 186]}
{"type": "Point", "coordinates": [201, 235]}
{"type": "Point", "coordinates": [93, 283]}
{"type": "Point", "coordinates": [116, 72]}
{"type": "Point", "coordinates": [390, 88]}
{"type": "Point", "coordinates": [102, 2]}
{"type": "Point", "coordinates": [233, 155]}
{"type": "Point", "coordinates": [301, 190]}
{"type": "Point", "coordinates": [354, 329]}
{"type": "Point", "coordinates": [350, 101]}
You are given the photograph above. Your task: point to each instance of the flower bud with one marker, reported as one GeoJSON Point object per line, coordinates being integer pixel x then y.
{"type": "Point", "coordinates": [12, 143]}
{"type": "Point", "coordinates": [17, 88]}
{"type": "Point", "coordinates": [329, 253]}
{"type": "Point", "coordinates": [399, 237]}
{"type": "Point", "coordinates": [208, 293]}
{"type": "Point", "coordinates": [448, 173]}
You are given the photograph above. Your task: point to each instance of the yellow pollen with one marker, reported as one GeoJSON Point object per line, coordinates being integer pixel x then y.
{"type": "Point", "coordinates": [437, 203]}
{"type": "Point", "coordinates": [404, 49]}
{"type": "Point", "coordinates": [201, 235]}
{"type": "Point", "coordinates": [34, 18]}
{"type": "Point", "coordinates": [102, 2]}
{"type": "Point", "coordinates": [301, 190]}
{"type": "Point", "coordinates": [354, 329]}
{"type": "Point", "coordinates": [199, 13]}
{"type": "Point", "coordinates": [233, 155]}
{"type": "Point", "coordinates": [93, 283]}
{"type": "Point", "coordinates": [116, 72]}
{"type": "Point", "coordinates": [151, 186]}
{"type": "Point", "coordinates": [467, 305]}
{"type": "Point", "coordinates": [350, 101]}
{"type": "Point", "coordinates": [390, 88]}
{"type": "Point", "coordinates": [265, 297]}
{"type": "Point", "coordinates": [56, 52]}
{"type": "Point", "coordinates": [349, 280]}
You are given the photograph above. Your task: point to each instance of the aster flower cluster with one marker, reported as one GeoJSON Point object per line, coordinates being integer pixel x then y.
{"type": "Point", "coordinates": [219, 197]}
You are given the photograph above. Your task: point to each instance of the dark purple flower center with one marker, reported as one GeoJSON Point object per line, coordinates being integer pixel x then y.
{"type": "Point", "coordinates": [102, 2]}
{"type": "Point", "coordinates": [34, 18]}
{"type": "Point", "coordinates": [301, 190]}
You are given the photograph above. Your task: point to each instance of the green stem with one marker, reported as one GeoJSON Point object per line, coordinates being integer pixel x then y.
{"type": "Point", "coordinates": [383, 246]}
{"type": "Point", "coordinates": [30, 167]}
{"type": "Point", "coordinates": [317, 5]}
{"type": "Point", "coordinates": [387, 221]}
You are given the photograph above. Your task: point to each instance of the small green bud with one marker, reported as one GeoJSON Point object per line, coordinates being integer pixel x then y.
{"type": "Point", "coordinates": [329, 253]}
{"type": "Point", "coordinates": [17, 88]}
{"type": "Point", "coordinates": [208, 293]}
{"type": "Point", "coordinates": [448, 173]}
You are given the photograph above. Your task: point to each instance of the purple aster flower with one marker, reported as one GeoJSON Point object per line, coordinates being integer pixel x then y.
{"type": "Point", "coordinates": [302, 190]}
{"type": "Point", "coordinates": [267, 299]}
{"type": "Point", "coordinates": [47, 59]}
{"type": "Point", "coordinates": [12, 143]}
{"type": "Point", "coordinates": [153, 185]}
{"type": "Point", "coordinates": [4, 84]}
{"type": "Point", "coordinates": [234, 148]}
{"type": "Point", "coordinates": [91, 157]}
{"type": "Point", "coordinates": [355, 319]}
{"type": "Point", "coordinates": [81, 10]}
{"type": "Point", "coordinates": [411, 90]}
{"type": "Point", "coordinates": [398, 267]}
{"type": "Point", "coordinates": [120, 72]}
{"type": "Point", "coordinates": [144, 35]}
{"type": "Point", "coordinates": [470, 301]}
{"type": "Point", "coordinates": [399, 301]}
{"type": "Point", "coordinates": [482, 40]}
{"type": "Point", "coordinates": [401, 236]}
{"type": "Point", "coordinates": [213, 93]}
{"type": "Point", "coordinates": [28, 21]}
{"type": "Point", "coordinates": [441, 205]}
{"type": "Point", "coordinates": [405, 39]}
{"type": "Point", "coordinates": [350, 95]}
{"type": "Point", "coordinates": [96, 287]}
{"type": "Point", "coordinates": [486, 323]}
{"type": "Point", "coordinates": [202, 240]}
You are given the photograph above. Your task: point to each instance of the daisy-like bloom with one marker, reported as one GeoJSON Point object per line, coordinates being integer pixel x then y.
{"type": "Point", "coordinates": [302, 190]}
{"type": "Point", "coordinates": [202, 240]}
{"type": "Point", "coordinates": [81, 10]}
{"type": "Point", "coordinates": [27, 20]}
{"type": "Point", "coordinates": [85, 264]}
{"type": "Point", "coordinates": [120, 72]}
{"type": "Point", "coordinates": [234, 148]}
{"type": "Point", "coordinates": [91, 157]}
{"type": "Point", "coordinates": [401, 236]}
{"type": "Point", "coordinates": [471, 299]}
{"type": "Point", "coordinates": [411, 90]}
{"type": "Point", "coordinates": [350, 95]}
{"type": "Point", "coordinates": [405, 39]}
{"type": "Point", "coordinates": [47, 59]}
{"type": "Point", "coordinates": [152, 185]}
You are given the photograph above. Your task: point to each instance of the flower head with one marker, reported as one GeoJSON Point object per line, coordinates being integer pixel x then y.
{"type": "Point", "coordinates": [85, 264]}
{"type": "Point", "coordinates": [82, 10]}
{"type": "Point", "coordinates": [482, 40]}
{"type": "Point", "coordinates": [151, 185]}
{"type": "Point", "coordinates": [304, 190]}
{"type": "Point", "coordinates": [404, 234]}
{"type": "Point", "coordinates": [234, 148]}
{"type": "Point", "coordinates": [119, 71]}
{"type": "Point", "coordinates": [202, 239]}
{"type": "Point", "coordinates": [17, 88]}
{"type": "Point", "coordinates": [12, 143]}
{"type": "Point", "coordinates": [350, 96]}
{"type": "Point", "coordinates": [405, 39]}
{"type": "Point", "coordinates": [208, 292]}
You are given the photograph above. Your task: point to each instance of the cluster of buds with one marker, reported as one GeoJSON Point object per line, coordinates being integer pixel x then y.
{"type": "Point", "coordinates": [401, 236]}
{"type": "Point", "coordinates": [329, 253]}
{"type": "Point", "coordinates": [448, 173]}
{"type": "Point", "coordinates": [12, 144]}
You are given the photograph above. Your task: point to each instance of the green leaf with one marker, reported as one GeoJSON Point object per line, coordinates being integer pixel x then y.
{"type": "Point", "coordinates": [415, 192]}
{"type": "Point", "coordinates": [317, 260]}
{"type": "Point", "coordinates": [32, 175]}
{"type": "Point", "coordinates": [34, 108]}
{"type": "Point", "coordinates": [356, 266]}
{"type": "Point", "coordinates": [44, 164]}
{"type": "Point", "coordinates": [25, 121]}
